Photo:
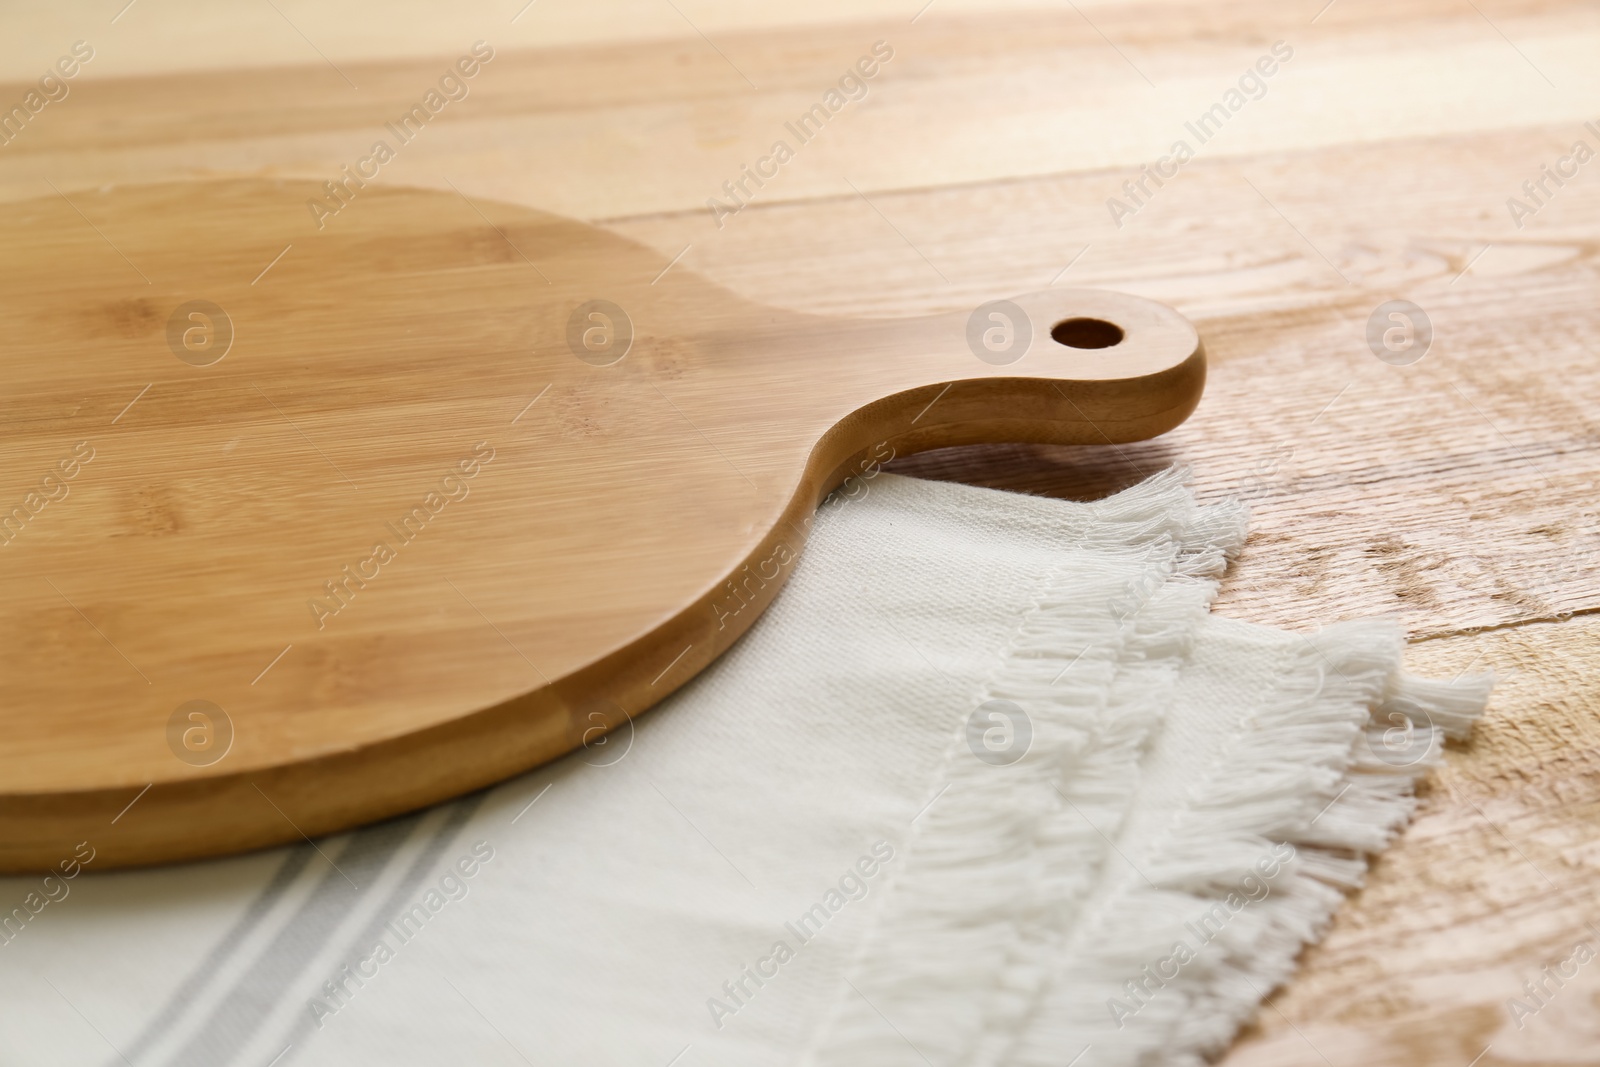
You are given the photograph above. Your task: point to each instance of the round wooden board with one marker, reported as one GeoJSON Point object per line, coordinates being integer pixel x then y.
{"type": "Point", "coordinates": [305, 527]}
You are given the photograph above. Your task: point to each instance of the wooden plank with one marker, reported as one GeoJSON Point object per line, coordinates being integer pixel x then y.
{"type": "Point", "coordinates": [1029, 92]}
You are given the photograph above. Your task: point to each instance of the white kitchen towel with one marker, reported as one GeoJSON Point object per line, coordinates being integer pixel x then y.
{"type": "Point", "coordinates": [985, 785]}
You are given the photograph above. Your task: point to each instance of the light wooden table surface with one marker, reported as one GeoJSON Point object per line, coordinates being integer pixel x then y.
{"type": "Point", "coordinates": [1458, 490]}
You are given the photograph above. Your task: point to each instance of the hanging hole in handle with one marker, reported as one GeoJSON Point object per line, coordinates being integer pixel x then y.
{"type": "Point", "coordinates": [1086, 333]}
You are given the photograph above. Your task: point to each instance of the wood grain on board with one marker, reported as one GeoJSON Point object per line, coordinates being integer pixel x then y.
{"type": "Point", "coordinates": [1458, 492]}
{"type": "Point", "coordinates": [304, 528]}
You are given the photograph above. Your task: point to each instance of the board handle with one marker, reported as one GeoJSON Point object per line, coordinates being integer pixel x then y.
{"type": "Point", "coordinates": [1073, 366]}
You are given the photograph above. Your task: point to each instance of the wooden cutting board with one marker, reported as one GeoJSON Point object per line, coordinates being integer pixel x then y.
{"type": "Point", "coordinates": [313, 518]}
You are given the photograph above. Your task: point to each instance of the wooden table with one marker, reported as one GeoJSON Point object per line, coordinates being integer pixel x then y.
{"type": "Point", "coordinates": [1374, 164]}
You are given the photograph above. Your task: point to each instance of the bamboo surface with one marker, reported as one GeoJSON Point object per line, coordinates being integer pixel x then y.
{"type": "Point", "coordinates": [437, 501]}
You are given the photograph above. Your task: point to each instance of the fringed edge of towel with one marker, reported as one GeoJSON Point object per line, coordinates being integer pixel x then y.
{"type": "Point", "coordinates": [983, 952]}
{"type": "Point", "coordinates": [992, 871]}
{"type": "Point", "coordinates": [1254, 867]}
